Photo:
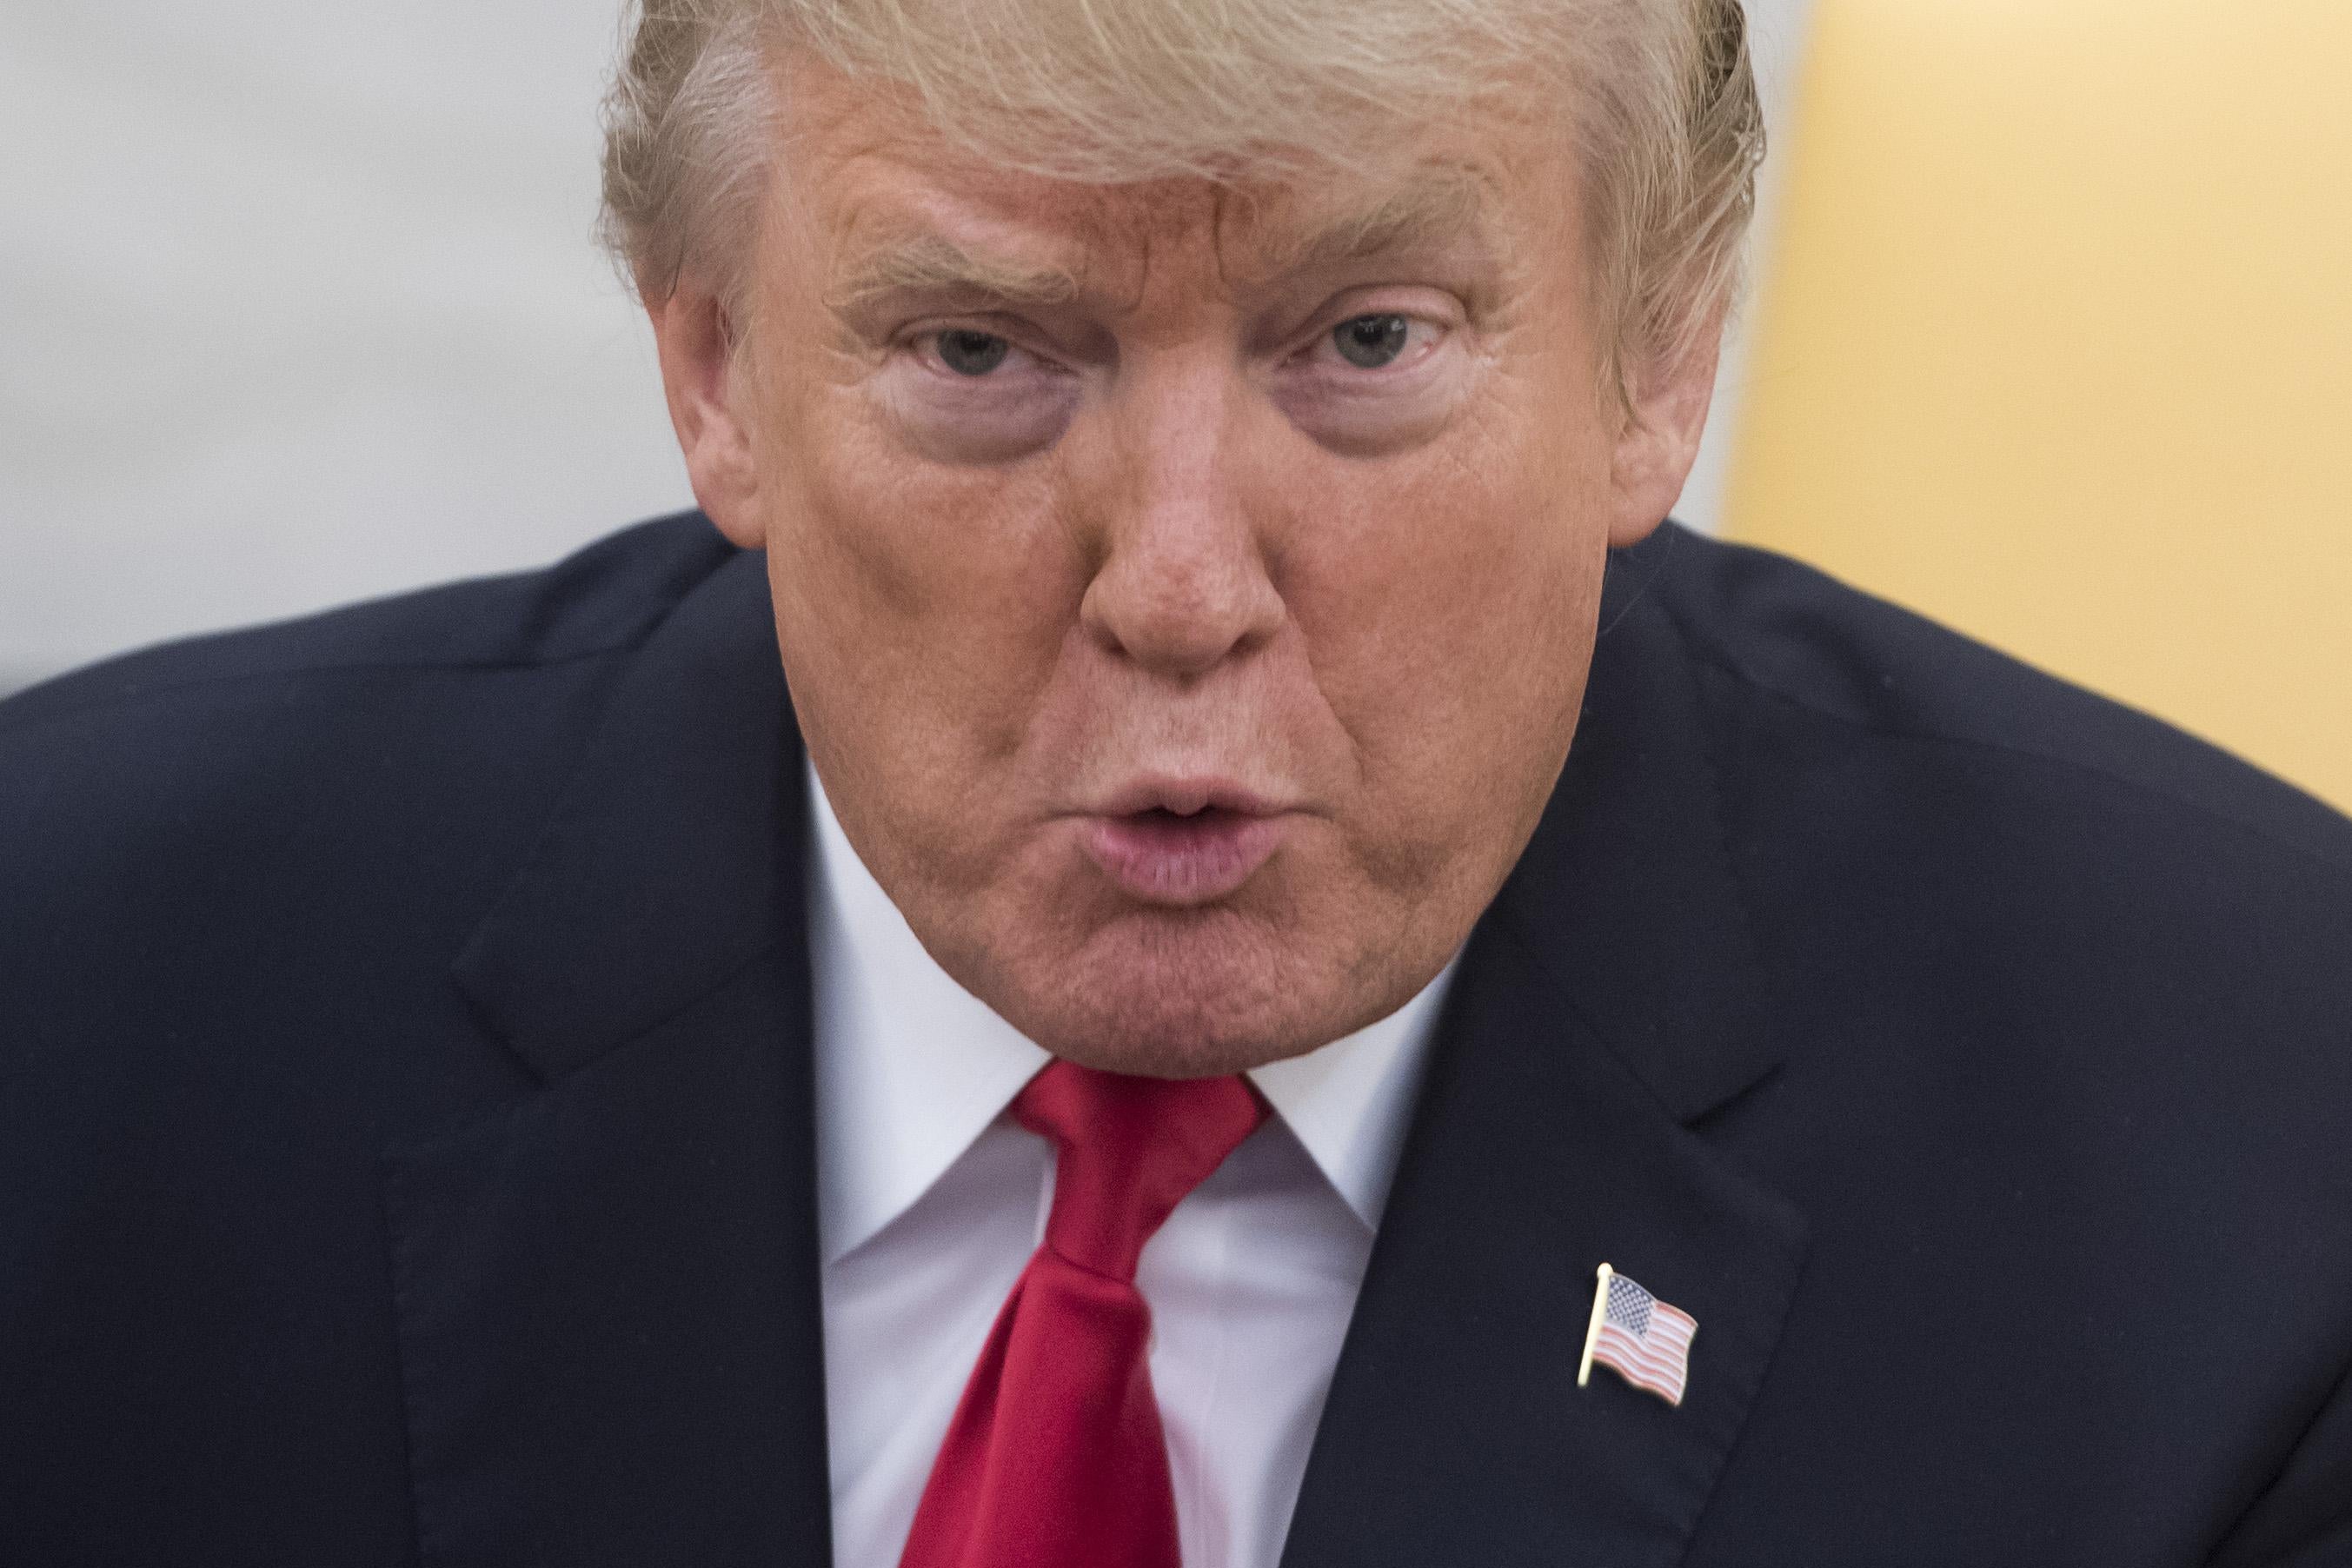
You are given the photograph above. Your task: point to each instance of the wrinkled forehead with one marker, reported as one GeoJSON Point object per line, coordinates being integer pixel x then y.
{"type": "Point", "coordinates": [895, 204]}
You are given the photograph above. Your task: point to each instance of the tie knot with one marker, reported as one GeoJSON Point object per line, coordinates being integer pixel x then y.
{"type": "Point", "coordinates": [1128, 1152]}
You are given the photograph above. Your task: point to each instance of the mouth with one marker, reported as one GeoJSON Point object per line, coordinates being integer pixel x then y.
{"type": "Point", "coordinates": [1182, 845]}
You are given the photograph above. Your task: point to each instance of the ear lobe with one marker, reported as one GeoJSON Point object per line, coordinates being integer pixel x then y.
{"type": "Point", "coordinates": [697, 345]}
{"type": "Point", "coordinates": [1658, 442]}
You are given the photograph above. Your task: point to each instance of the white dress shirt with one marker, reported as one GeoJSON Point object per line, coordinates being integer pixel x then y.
{"type": "Point", "coordinates": [931, 1198]}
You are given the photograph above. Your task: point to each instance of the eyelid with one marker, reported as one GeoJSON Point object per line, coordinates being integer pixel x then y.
{"type": "Point", "coordinates": [1320, 345]}
{"type": "Point", "coordinates": [1415, 302]}
{"type": "Point", "coordinates": [916, 338]}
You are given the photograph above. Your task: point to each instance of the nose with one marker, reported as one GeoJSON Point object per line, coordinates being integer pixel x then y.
{"type": "Point", "coordinates": [1183, 583]}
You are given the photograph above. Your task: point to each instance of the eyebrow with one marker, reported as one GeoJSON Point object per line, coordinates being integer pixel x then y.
{"type": "Point", "coordinates": [933, 264]}
{"type": "Point", "coordinates": [1427, 214]}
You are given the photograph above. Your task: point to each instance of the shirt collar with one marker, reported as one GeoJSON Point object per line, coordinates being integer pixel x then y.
{"type": "Point", "coordinates": [911, 1067]}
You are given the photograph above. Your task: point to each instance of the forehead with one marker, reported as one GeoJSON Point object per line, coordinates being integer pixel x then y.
{"type": "Point", "coordinates": [896, 203]}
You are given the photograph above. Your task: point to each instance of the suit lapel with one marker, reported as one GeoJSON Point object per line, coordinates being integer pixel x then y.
{"type": "Point", "coordinates": [607, 1292]}
{"type": "Point", "coordinates": [1608, 998]}
{"type": "Point", "coordinates": [1454, 1433]}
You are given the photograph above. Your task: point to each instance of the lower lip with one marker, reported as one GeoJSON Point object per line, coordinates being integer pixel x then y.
{"type": "Point", "coordinates": [1182, 861]}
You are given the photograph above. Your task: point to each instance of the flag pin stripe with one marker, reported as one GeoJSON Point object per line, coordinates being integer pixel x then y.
{"type": "Point", "coordinates": [1642, 1340]}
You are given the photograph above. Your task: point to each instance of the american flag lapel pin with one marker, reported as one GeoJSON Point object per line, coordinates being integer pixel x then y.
{"type": "Point", "coordinates": [1639, 1337]}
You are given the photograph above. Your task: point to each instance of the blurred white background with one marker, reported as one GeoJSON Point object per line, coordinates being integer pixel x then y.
{"type": "Point", "coordinates": [298, 304]}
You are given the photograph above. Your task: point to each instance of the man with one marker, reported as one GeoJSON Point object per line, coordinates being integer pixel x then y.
{"type": "Point", "coordinates": [1261, 869]}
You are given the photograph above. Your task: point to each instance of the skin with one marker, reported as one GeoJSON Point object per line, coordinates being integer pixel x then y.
{"type": "Point", "coordinates": [1170, 538]}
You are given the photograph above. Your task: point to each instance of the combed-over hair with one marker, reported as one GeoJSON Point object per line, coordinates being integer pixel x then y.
{"type": "Point", "coordinates": [1659, 94]}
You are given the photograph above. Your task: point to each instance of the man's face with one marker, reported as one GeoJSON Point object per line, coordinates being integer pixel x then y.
{"type": "Point", "coordinates": [1186, 589]}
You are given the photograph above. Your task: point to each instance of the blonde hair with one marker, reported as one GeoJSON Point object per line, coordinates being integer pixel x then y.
{"type": "Point", "coordinates": [1659, 95]}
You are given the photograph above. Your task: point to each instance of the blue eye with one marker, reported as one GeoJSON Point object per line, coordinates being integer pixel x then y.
{"type": "Point", "coordinates": [1371, 342]}
{"type": "Point", "coordinates": [972, 353]}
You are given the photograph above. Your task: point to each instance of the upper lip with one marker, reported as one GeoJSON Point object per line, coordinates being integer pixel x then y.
{"type": "Point", "coordinates": [1186, 796]}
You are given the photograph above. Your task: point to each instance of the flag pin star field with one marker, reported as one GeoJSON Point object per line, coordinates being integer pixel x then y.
{"type": "Point", "coordinates": [1640, 1338]}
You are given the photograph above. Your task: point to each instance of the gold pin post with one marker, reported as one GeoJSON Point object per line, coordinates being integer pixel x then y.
{"type": "Point", "coordinates": [1593, 1330]}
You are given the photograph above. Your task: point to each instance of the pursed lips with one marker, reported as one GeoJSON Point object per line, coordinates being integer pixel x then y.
{"type": "Point", "coordinates": [1181, 843]}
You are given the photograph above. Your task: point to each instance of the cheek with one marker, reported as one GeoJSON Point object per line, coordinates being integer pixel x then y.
{"type": "Point", "coordinates": [919, 606]}
{"type": "Point", "coordinates": [1449, 614]}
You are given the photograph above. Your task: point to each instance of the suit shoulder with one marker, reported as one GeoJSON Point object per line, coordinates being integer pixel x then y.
{"type": "Point", "coordinates": [394, 740]}
{"type": "Point", "coordinates": [1785, 633]}
{"type": "Point", "coordinates": [604, 598]}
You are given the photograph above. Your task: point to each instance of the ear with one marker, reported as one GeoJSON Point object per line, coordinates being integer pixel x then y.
{"type": "Point", "coordinates": [1658, 442]}
{"type": "Point", "coordinates": [697, 339]}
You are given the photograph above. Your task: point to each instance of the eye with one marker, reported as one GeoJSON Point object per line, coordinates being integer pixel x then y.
{"type": "Point", "coordinates": [1372, 343]}
{"type": "Point", "coordinates": [1381, 379]}
{"type": "Point", "coordinates": [969, 352]}
{"type": "Point", "coordinates": [963, 392]}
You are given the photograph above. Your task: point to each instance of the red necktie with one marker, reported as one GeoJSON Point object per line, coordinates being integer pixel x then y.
{"type": "Point", "coordinates": [1055, 1459]}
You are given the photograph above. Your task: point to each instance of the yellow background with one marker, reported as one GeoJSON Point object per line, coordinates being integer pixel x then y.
{"type": "Point", "coordinates": [2055, 344]}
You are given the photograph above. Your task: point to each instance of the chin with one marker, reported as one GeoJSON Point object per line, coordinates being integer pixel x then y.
{"type": "Point", "coordinates": [1189, 993]}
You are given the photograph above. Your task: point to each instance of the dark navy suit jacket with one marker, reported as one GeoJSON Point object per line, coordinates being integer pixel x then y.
{"type": "Point", "coordinates": [406, 1116]}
